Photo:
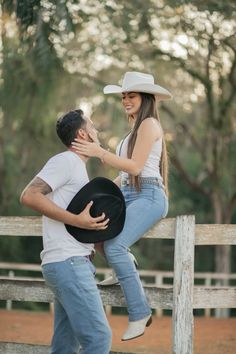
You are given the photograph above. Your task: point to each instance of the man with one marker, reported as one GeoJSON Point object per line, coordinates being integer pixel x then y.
{"type": "Point", "coordinates": [79, 318]}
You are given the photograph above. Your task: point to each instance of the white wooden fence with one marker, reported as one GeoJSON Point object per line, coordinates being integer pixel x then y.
{"type": "Point", "coordinates": [163, 279]}
{"type": "Point", "coordinates": [182, 298]}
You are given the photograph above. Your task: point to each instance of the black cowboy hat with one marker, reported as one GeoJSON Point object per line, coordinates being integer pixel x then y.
{"type": "Point", "coordinates": [107, 198]}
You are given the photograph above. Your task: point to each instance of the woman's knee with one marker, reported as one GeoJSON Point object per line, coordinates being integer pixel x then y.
{"type": "Point", "coordinates": [113, 249]}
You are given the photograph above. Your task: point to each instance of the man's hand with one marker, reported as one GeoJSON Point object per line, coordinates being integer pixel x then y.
{"type": "Point", "coordinates": [86, 221]}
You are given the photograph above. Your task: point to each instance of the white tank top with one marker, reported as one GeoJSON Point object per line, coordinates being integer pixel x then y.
{"type": "Point", "coordinates": [152, 164]}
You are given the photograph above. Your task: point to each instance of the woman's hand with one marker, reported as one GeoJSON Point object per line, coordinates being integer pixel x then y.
{"type": "Point", "coordinates": [87, 148]}
{"type": "Point", "coordinates": [94, 137]}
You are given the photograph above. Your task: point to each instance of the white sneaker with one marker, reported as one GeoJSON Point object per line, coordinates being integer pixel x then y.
{"type": "Point", "coordinates": [136, 328]}
{"type": "Point", "coordinates": [112, 279]}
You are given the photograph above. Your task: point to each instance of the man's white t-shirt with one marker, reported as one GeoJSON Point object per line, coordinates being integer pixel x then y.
{"type": "Point", "coordinates": [66, 174]}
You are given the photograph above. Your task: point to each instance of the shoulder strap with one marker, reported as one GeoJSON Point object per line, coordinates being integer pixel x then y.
{"type": "Point", "coordinates": [122, 142]}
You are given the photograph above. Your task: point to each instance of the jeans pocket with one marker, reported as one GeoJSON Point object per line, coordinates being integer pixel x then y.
{"type": "Point", "coordinates": [166, 207]}
{"type": "Point", "coordinates": [92, 268]}
{"type": "Point", "coordinates": [49, 273]}
{"type": "Point", "coordinates": [79, 262]}
{"type": "Point", "coordinates": [50, 277]}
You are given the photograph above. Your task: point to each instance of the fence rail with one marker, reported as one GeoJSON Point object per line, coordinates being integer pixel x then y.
{"type": "Point", "coordinates": [150, 278]}
{"type": "Point", "coordinates": [181, 298]}
{"type": "Point", "coordinates": [205, 234]}
{"type": "Point", "coordinates": [17, 348]}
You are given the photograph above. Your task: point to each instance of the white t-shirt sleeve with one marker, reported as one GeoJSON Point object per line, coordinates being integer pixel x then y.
{"type": "Point", "coordinates": [56, 172]}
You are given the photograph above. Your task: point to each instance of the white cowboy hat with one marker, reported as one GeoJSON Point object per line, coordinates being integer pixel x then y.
{"type": "Point", "coordinates": [134, 81]}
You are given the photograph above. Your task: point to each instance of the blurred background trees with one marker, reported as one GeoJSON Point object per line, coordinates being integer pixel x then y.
{"type": "Point", "coordinates": [55, 56]}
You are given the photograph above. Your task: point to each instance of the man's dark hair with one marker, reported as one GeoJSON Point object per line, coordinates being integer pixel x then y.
{"type": "Point", "coordinates": [68, 125]}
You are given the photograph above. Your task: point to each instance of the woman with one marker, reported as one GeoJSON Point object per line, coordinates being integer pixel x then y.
{"type": "Point", "coordinates": [141, 157]}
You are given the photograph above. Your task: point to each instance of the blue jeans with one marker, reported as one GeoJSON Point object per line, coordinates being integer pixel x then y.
{"type": "Point", "coordinates": [143, 210]}
{"type": "Point", "coordinates": [79, 318]}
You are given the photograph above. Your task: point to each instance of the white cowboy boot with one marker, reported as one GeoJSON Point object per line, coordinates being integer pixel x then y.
{"type": "Point", "coordinates": [112, 279]}
{"type": "Point", "coordinates": [136, 328]}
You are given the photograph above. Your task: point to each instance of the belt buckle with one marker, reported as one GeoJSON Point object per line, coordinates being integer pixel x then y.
{"type": "Point", "coordinates": [124, 182]}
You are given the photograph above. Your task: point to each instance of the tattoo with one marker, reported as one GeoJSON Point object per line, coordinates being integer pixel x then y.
{"type": "Point", "coordinates": [38, 185]}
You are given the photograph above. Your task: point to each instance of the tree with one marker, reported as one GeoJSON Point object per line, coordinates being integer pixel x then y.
{"type": "Point", "coordinates": [56, 52]}
{"type": "Point", "coordinates": [32, 88]}
{"type": "Point", "coordinates": [195, 44]}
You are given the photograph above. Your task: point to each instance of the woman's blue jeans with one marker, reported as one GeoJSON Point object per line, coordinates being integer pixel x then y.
{"type": "Point", "coordinates": [143, 210]}
{"type": "Point", "coordinates": [79, 318]}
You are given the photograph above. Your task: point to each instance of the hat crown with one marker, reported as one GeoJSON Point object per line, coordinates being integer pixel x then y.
{"type": "Point", "coordinates": [133, 78]}
{"type": "Point", "coordinates": [134, 81]}
{"type": "Point", "coordinates": [107, 198]}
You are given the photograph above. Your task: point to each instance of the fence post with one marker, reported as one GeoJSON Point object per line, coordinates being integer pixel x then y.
{"type": "Point", "coordinates": [159, 284]}
{"type": "Point", "coordinates": [207, 283]}
{"type": "Point", "coordinates": [11, 274]}
{"type": "Point", "coordinates": [183, 285]}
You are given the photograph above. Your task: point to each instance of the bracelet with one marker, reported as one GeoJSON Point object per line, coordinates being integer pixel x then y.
{"type": "Point", "coordinates": [103, 155]}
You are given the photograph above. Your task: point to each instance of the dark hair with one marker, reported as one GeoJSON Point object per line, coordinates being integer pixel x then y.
{"type": "Point", "coordinates": [148, 109]}
{"type": "Point", "coordinates": [68, 125]}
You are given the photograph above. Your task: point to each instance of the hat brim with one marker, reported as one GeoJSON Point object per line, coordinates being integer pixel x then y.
{"type": "Point", "coordinates": [160, 92]}
{"type": "Point", "coordinates": [107, 198]}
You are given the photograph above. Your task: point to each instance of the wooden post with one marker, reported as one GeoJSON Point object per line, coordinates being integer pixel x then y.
{"type": "Point", "coordinates": [207, 283]}
{"type": "Point", "coordinates": [11, 275]}
{"type": "Point", "coordinates": [159, 284]}
{"type": "Point", "coordinates": [183, 285]}
{"type": "Point", "coordinates": [108, 308]}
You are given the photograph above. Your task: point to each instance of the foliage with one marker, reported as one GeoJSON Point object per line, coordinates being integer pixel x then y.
{"type": "Point", "coordinates": [55, 56]}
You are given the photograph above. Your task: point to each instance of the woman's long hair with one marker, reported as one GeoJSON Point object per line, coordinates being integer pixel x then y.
{"type": "Point", "coordinates": [148, 109]}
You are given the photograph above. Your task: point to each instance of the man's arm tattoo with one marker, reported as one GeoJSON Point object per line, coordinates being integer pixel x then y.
{"type": "Point", "coordinates": [38, 185]}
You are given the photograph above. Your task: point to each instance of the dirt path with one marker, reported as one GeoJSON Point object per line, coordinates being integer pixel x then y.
{"type": "Point", "coordinates": [212, 336]}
